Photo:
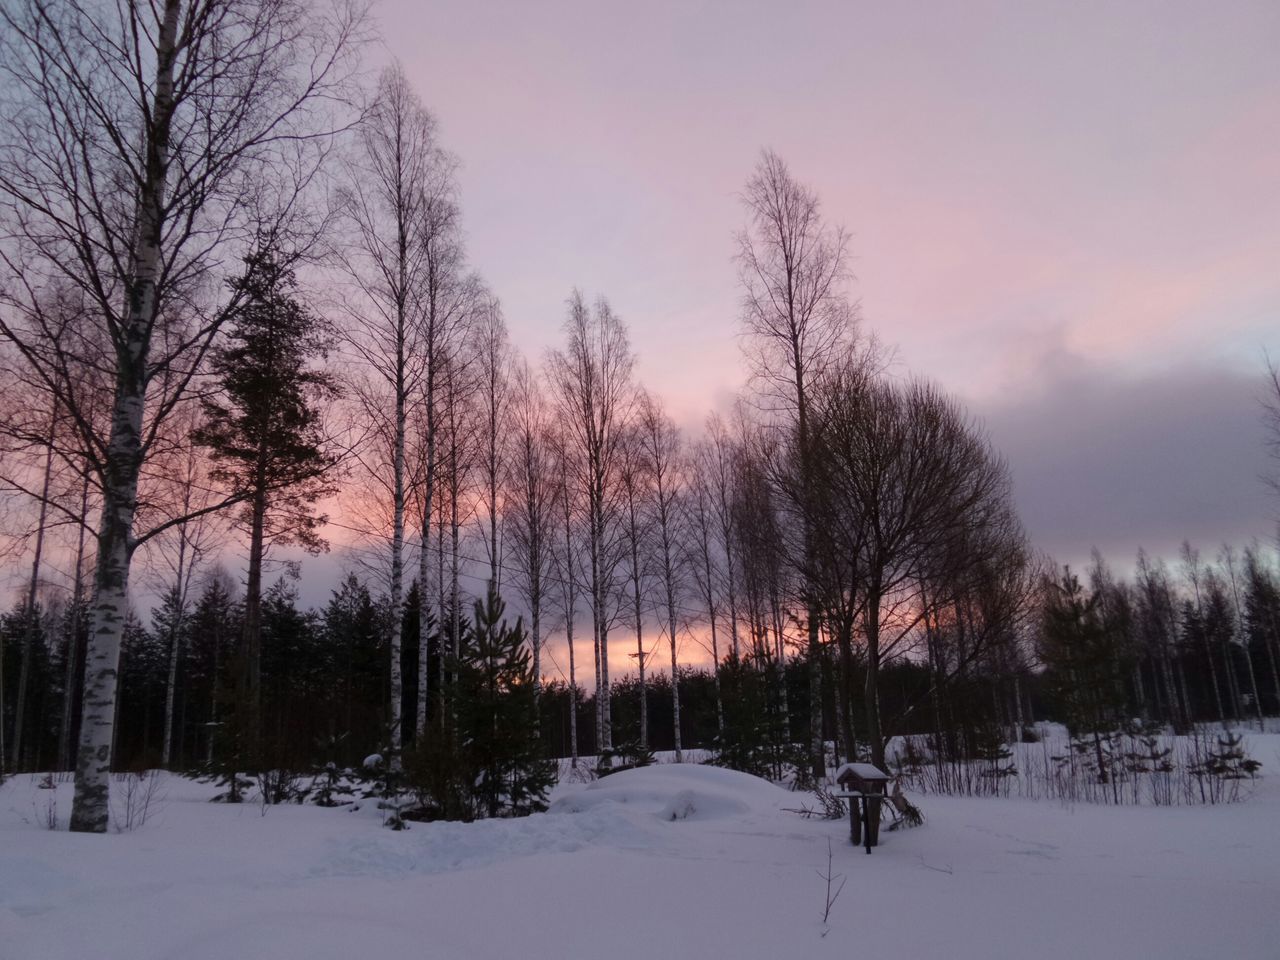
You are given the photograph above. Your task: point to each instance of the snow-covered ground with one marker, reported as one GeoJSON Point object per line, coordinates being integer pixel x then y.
{"type": "Point", "coordinates": [668, 861]}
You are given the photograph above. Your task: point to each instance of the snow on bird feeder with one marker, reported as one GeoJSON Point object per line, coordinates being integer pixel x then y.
{"type": "Point", "coordinates": [863, 785]}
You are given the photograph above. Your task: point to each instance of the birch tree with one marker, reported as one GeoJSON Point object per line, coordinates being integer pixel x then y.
{"type": "Point", "coordinates": [594, 396]}
{"type": "Point", "coordinates": [716, 468]}
{"type": "Point", "coordinates": [635, 481]}
{"type": "Point", "coordinates": [392, 181]}
{"type": "Point", "coordinates": [704, 561]}
{"type": "Point", "coordinates": [793, 267]}
{"type": "Point", "coordinates": [449, 297]}
{"type": "Point", "coordinates": [180, 551]}
{"type": "Point", "coordinates": [31, 612]}
{"type": "Point", "coordinates": [493, 372]}
{"type": "Point", "coordinates": [663, 451]}
{"type": "Point", "coordinates": [139, 142]}
{"type": "Point", "coordinates": [533, 505]}
{"type": "Point", "coordinates": [564, 558]}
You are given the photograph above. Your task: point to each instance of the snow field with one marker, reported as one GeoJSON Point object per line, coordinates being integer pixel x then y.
{"type": "Point", "coordinates": [675, 861]}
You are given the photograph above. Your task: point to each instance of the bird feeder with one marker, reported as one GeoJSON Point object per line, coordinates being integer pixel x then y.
{"type": "Point", "coordinates": [863, 785]}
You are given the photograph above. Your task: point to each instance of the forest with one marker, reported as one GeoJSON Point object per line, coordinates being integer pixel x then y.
{"type": "Point", "coordinates": [239, 326]}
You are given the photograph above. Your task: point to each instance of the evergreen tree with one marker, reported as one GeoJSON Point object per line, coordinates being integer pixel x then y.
{"type": "Point", "coordinates": [498, 710]}
{"type": "Point", "coordinates": [355, 639]}
{"type": "Point", "coordinates": [266, 437]}
{"type": "Point", "coordinates": [144, 670]}
{"type": "Point", "coordinates": [1082, 656]}
{"type": "Point", "coordinates": [213, 625]}
{"type": "Point", "coordinates": [487, 760]}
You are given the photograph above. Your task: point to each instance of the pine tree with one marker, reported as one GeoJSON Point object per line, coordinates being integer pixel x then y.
{"type": "Point", "coordinates": [1082, 656]}
{"type": "Point", "coordinates": [266, 437]}
{"type": "Point", "coordinates": [498, 713]}
{"type": "Point", "coordinates": [488, 760]}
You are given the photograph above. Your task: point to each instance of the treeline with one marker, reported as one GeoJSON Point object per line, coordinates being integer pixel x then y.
{"type": "Point", "coordinates": [1170, 649]}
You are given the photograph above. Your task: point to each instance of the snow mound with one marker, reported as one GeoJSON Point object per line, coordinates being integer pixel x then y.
{"type": "Point", "coordinates": [677, 791]}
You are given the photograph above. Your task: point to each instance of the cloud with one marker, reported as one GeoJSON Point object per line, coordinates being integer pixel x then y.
{"type": "Point", "coordinates": [1119, 461]}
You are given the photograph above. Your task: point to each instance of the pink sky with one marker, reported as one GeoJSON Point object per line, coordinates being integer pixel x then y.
{"type": "Point", "coordinates": [1045, 199]}
{"type": "Point", "coordinates": [1019, 178]}
{"type": "Point", "coordinates": [1068, 213]}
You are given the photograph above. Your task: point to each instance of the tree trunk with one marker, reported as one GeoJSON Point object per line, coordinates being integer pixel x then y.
{"type": "Point", "coordinates": [571, 605]}
{"type": "Point", "coordinates": [394, 640]}
{"type": "Point", "coordinates": [124, 456]}
{"type": "Point", "coordinates": [71, 671]}
{"type": "Point", "coordinates": [639, 619]}
{"type": "Point", "coordinates": [428, 491]}
{"type": "Point", "coordinates": [675, 668]}
{"type": "Point", "coordinates": [29, 635]}
{"type": "Point", "coordinates": [124, 461]}
{"type": "Point", "coordinates": [110, 608]}
{"type": "Point", "coordinates": [170, 688]}
{"type": "Point", "coordinates": [845, 641]}
{"type": "Point", "coordinates": [175, 644]}
{"type": "Point", "coordinates": [600, 628]}
{"type": "Point", "coordinates": [874, 736]}
{"type": "Point", "coordinates": [573, 690]}
{"type": "Point", "coordinates": [249, 699]}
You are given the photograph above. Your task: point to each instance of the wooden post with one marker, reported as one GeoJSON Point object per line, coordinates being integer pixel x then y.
{"type": "Point", "coordinates": [866, 815]}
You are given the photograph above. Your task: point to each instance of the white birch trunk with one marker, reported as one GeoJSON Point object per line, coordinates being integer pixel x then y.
{"type": "Point", "coordinates": [90, 808]}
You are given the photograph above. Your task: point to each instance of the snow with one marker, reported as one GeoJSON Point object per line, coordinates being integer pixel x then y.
{"type": "Point", "coordinates": [682, 861]}
{"type": "Point", "coordinates": [865, 771]}
{"type": "Point", "coordinates": [679, 792]}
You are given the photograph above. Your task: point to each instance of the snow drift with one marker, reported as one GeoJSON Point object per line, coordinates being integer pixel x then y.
{"type": "Point", "coordinates": [678, 792]}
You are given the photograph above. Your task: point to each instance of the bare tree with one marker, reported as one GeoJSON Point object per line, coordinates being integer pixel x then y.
{"type": "Point", "coordinates": [1157, 623]}
{"type": "Point", "coordinates": [704, 560]}
{"type": "Point", "coordinates": [532, 504]}
{"type": "Point", "coordinates": [1227, 558]}
{"type": "Point", "coordinates": [793, 268]}
{"type": "Point", "coordinates": [460, 431]}
{"type": "Point", "coordinates": [180, 551]}
{"type": "Point", "coordinates": [594, 396]}
{"type": "Point", "coordinates": [450, 299]}
{"type": "Point", "coordinates": [393, 180]}
{"type": "Point", "coordinates": [139, 143]}
{"type": "Point", "coordinates": [1271, 420]}
{"type": "Point", "coordinates": [912, 486]}
{"type": "Point", "coordinates": [493, 371]}
{"type": "Point", "coordinates": [715, 458]}
{"type": "Point", "coordinates": [635, 477]}
{"type": "Point", "coordinates": [1194, 573]}
{"type": "Point", "coordinates": [72, 628]}
{"type": "Point", "coordinates": [564, 557]}
{"type": "Point", "coordinates": [31, 613]}
{"type": "Point", "coordinates": [667, 469]}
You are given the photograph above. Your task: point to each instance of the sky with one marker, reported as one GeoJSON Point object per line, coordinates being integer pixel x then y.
{"type": "Point", "coordinates": [1067, 214]}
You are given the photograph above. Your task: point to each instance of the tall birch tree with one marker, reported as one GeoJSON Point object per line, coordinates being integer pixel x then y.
{"type": "Point", "coordinates": [532, 505]}
{"type": "Point", "coordinates": [664, 453]}
{"type": "Point", "coordinates": [393, 180]}
{"type": "Point", "coordinates": [594, 396]}
{"type": "Point", "coordinates": [793, 267]}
